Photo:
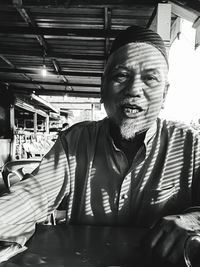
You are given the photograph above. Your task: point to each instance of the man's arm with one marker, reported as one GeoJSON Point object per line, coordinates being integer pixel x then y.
{"type": "Point", "coordinates": [167, 238]}
{"type": "Point", "coordinates": [31, 200]}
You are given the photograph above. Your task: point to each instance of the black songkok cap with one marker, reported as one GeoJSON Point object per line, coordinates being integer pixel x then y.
{"type": "Point", "coordinates": [136, 34]}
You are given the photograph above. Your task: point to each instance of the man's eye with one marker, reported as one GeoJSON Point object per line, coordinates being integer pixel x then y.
{"type": "Point", "coordinates": [120, 77]}
{"type": "Point", "coordinates": [150, 79]}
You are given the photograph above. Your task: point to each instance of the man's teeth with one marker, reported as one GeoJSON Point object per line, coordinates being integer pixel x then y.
{"type": "Point", "coordinates": [131, 111]}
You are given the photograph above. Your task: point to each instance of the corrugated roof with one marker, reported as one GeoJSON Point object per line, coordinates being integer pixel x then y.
{"type": "Point", "coordinates": [72, 38]}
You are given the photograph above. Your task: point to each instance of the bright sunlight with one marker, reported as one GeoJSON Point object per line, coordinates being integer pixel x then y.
{"type": "Point", "coordinates": [183, 100]}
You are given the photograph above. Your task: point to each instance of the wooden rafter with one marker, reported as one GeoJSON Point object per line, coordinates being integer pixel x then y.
{"type": "Point", "coordinates": [61, 72]}
{"type": "Point", "coordinates": [25, 14]}
{"type": "Point", "coordinates": [59, 31]}
{"type": "Point", "coordinates": [84, 93]}
{"type": "Point", "coordinates": [43, 82]}
{"type": "Point", "coordinates": [51, 55]}
{"type": "Point", "coordinates": [7, 61]}
{"type": "Point", "coordinates": [58, 71]}
{"type": "Point", "coordinates": [152, 17]}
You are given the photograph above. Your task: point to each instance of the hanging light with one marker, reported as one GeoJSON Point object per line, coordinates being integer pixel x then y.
{"type": "Point", "coordinates": [44, 70]}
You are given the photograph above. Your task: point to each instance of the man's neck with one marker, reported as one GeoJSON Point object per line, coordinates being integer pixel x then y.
{"type": "Point", "coordinates": [129, 147]}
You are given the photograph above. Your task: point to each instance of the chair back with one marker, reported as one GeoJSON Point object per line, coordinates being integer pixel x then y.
{"type": "Point", "coordinates": [14, 171]}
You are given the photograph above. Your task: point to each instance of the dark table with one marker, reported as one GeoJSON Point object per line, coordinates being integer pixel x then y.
{"type": "Point", "coordinates": [85, 246]}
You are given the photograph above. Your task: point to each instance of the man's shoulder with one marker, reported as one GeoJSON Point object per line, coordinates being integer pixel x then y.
{"type": "Point", "coordinates": [177, 126]}
{"type": "Point", "coordinates": [87, 125]}
{"type": "Point", "coordinates": [84, 126]}
{"type": "Point", "coordinates": [82, 134]}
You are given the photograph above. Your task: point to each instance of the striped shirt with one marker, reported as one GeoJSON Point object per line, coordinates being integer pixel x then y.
{"type": "Point", "coordinates": [100, 186]}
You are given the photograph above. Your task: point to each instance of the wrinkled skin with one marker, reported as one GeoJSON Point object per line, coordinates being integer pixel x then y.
{"type": "Point", "coordinates": [134, 86]}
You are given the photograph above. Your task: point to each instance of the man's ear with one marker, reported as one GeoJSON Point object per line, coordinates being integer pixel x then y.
{"type": "Point", "coordinates": [165, 93]}
{"type": "Point", "coordinates": [166, 90]}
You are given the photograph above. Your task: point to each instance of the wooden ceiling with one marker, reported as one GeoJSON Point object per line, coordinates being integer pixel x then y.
{"type": "Point", "coordinates": [72, 38]}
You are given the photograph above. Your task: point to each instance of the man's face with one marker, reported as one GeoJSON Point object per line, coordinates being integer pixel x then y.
{"type": "Point", "coordinates": [134, 86]}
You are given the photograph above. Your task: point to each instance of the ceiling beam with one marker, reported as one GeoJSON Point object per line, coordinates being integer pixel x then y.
{"type": "Point", "coordinates": [153, 15]}
{"type": "Point", "coordinates": [59, 31]}
{"type": "Point", "coordinates": [25, 14]}
{"type": "Point", "coordinates": [30, 80]}
{"type": "Point", "coordinates": [14, 68]}
{"type": "Point", "coordinates": [189, 12]}
{"type": "Point", "coordinates": [73, 106]}
{"type": "Point", "coordinates": [54, 92]}
{"type": "Point", "coordinates": [7, 61]}
{"type": "Point", "coordinates": [68, 99]}
{"type": "Point", "coordinates": [189, 5]}
{"type": "Point", "coordinates": [28, 20]}
{"type": "Point", "coordinates": [57, 70]}
{"type": "Point", "coordinates": [36, 71]}
{"type": "Point", "coordinates": [58, 55]}
{"type": "Point", "coordinates": [42, 43]}
{"type": "Point", "coordinates": [184, 11]}
{"type": "Point", "coordinates": [56, 66]}
{"type": "Point", "coordinates": [82, 3]}
{"type": "Point", "coordinates": [49, 83]}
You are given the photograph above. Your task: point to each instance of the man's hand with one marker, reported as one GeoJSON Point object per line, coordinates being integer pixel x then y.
{"type": "Point", "coordinates": [167, 238]}
{"type": "Point", "coordinates": [10, 249]}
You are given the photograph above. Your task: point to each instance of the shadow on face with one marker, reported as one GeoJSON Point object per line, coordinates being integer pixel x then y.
{"type": "Point", "coordinates": [134, 87]}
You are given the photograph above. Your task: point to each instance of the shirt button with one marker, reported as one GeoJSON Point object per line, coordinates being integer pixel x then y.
{"type": "Point", "coordinates": [124, 196]}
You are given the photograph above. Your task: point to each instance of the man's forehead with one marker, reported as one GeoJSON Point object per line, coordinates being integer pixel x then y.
{"type": "Point", "coordinates": [137, 53]}
{"type": "Point", "coordinates": [138, 49]}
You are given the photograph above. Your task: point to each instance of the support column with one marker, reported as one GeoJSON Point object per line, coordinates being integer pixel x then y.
{"type": "Point", "coordinates": [35, 123]}
{"type": "Point", "coordinates": [176, 29]}
{"type": "Point", "coordinates": [47, 124]}
{"type": "Point", "coordinates": [92, 111]}
{"type": "Point", "coordinates": [162, 22]}
{"type": "Point", "coordinates": [189, 14]}
{"type": "Point", "coordinates": [12, 126]}
{"type": "Point", "coordinates": [196, 25]}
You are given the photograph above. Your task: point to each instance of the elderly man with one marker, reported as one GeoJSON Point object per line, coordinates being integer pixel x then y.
{"type": "Point", "coordinates": [131, 168]}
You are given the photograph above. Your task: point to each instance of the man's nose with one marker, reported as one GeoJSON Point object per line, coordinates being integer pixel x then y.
{"type": "Point", "coordinates": [135, 87]}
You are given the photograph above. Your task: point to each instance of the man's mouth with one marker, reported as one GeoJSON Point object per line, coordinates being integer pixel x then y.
{"type": "Point", "coordinates": [131, 110]}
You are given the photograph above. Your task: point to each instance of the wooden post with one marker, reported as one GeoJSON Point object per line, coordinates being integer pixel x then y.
{"type": "Point", "coordinates": [35, 123]}
{"type": "Point", "coordinates": [47, 124]}
{"type": "Point", "coordinates": [12, 126]}
{"type": "Point", "coordinates": [162, 22]}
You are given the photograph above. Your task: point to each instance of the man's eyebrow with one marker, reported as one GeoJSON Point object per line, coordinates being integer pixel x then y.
{"type": "Point", "coordinates": [153, 70]}
{"type": "Point", "coordinates": [121, 67]}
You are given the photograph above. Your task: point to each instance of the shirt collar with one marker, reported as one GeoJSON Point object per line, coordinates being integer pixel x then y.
{"type": "Point", "coordinates": [150, 133]}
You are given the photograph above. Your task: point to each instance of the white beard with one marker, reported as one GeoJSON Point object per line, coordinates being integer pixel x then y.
{"type": "Point", "coordinates": [129, 128]}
